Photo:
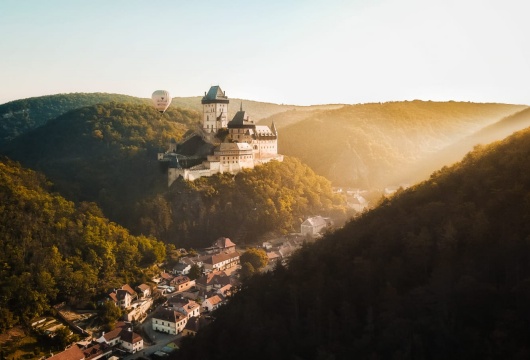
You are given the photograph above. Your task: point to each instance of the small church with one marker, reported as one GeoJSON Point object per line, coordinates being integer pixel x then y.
{"type": "Point", "coordinates": [221, 146]}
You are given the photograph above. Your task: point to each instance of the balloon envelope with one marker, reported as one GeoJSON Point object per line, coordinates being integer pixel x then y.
{"type": "Point", "coordinates": [161, 100]}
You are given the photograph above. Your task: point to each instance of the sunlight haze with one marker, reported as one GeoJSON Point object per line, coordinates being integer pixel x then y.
{"type": "Point", "coordinates": [291, 52]}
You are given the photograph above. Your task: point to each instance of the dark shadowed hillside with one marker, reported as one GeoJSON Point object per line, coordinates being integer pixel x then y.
{"type": "Point", "coordinates": [367, 145]}
{"type": "Point", "coordinates": [439, 271]}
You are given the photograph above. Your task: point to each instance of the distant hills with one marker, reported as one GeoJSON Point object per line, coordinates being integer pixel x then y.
{"type": "Point", "coordinates": [20, 116]}
{"type": "Point", "coordinates": [255, 109]}
{"type": "Point", "coordinates": [439, 271]}
{"type": "Point", "coordinates": [375, 145]}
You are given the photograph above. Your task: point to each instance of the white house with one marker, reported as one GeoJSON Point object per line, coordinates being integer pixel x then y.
{"type": "Point", "coordinates": [131, 341]}
{"type": "Point", "coordinates": [212, 303]}
{"type": "Point", "coordinates": [314, 225]}
{"type": "Point", "coordinates": [144, 290]}
{"type": "Point", "coordinates": [187, 307]}
{"type": "Point", "coordinates": [124, 336]}
{"type": "Point", "coordinates": [168, 320]}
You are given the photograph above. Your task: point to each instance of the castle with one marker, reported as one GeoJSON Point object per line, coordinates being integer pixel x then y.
{"type": "Point", "coordinates": [221, 146]}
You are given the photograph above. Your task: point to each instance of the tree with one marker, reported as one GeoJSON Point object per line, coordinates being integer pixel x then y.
{"type": "Point", "coordinates": [247, 270]}
{"type": "Point", "coordinates": [256, 257]}
{"type": "Point", "coordinates": [110, 313]}
{"type": "Point", "coordinates": [195, 272]}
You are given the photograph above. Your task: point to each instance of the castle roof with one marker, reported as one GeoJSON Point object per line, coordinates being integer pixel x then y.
{"type": "Point", "coordinates": [215, 95]}
{"type": "Point", "coordinates": [241, 120]}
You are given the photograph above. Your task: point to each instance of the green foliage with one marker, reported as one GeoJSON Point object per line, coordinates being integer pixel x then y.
{"type": "Point", "coordinates": [105, 153]}
{"type": "Point", "coordinates": [273, 197]}
{"type": "Point", "coordinates": [53, 251]}
{"type": "Point", "coordinates": [195, 272]}
{"type": "Point", "coordinates": [21, 116]}
{"type": "Point", "coordinates": [256, 257]}
{"type": "Point", "coordinates": [247, 270]}
{"type": "Point", "coordinates": [440, 271]}
{"type": "Point", "coordinates": [109, 315]}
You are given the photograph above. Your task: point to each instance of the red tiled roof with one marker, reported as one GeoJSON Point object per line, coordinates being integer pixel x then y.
{"type": "Point", "coordinates": [217, 258]}
{"type": "Point", "coordinates": [129, 289]}
{"type": "Point", "coordinates": [130, 337]}
{"type": "Point", "coordinates": [72, 353]}
{"type": "Point", "coordinates": [224, 242]}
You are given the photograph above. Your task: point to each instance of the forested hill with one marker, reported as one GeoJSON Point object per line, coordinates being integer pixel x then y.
{"type": "Point", "coordinates": [453, 153]}
{"type": "Point", "coordinates": [107, 154]}
{"type": "Point", "coordinates": [439, 271]}
{"type": "Point", "coordinates": [52, 250]}
{"type": "Point", "coordinates": [18, 117]}
{"type": "Point", "coordinates": [368, 145]}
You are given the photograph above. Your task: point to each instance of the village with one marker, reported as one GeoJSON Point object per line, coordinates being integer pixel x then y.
{"type": "Point", "coordinates": [175, 303]}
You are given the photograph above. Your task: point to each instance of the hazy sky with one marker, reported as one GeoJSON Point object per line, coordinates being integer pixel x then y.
{"type": "Point", "coordinates": [282, 51]}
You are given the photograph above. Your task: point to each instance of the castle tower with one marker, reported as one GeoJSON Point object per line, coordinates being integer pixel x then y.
{"type": "Point", "coordinates": [214, 110]}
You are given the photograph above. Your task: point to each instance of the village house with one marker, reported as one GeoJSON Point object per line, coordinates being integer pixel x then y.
{"type": "Point", "coordinates": [182, 269]}
{"type": "Point", "coordinates": [182, 283]}
{"type": "Point", "coordinates": [71, 353]}
{"type": "Point", "coordinates": [213, 280]}
{"type": "Point", "coordinates": [194, 325]}
{"type": "Point", "coordinates": [96, 351]}
{"type": "Point", "coordinates": [123, 297]}
{"type": "Point", "coordinates": [212, 303]}
{"type": "Point", "coordinates": [221, 245]}
{"type": "Point", "coordinates": [144, 290]}
{"type": "Point", "coordinates": [187, 307]}
{"type": "Point", "coordinates": [168, 320]}
{"type": "Point", "coordinates": [314, 225]}
{"type": "Point", "coordinates": [165, 278]}
{"type": "Point", "coordinates": [221, 261]}
{"type": "Point", "coordinates": [123, 336]}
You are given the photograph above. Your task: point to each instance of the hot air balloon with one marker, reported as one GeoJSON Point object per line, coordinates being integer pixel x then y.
{"type": "Point", "coordinates": [161, 99]}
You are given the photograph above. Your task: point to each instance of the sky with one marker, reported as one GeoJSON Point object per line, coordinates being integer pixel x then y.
{"type": "Point", "coordinates": [301, 52]}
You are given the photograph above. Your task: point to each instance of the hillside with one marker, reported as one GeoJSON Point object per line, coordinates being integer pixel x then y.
{"type": "Point", "coordinates": [20, 116]}
{"type": "Point", "coordinates": [103, 153]}
{"type": "Point", "coordinates": [53, 250]}
{"type": "Point", "coordinates": [368, 145]}
{"type": "Point", "coordinates": [272, 198]}
{"type": "Point", "coordinates": [455, 152]}
{"type": "Point", "coordinates": [108, 154]}
{"type": "Point", "coordinates": [440, 271]}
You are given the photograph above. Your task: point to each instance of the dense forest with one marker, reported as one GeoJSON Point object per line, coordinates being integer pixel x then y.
{"type": "Point", "coordinates": [107, 154]}
{"type": "Point", "coordinates": [52, 250]}
{"type": "Point", "coordinates": [439, 271]}
{"type": "Point", "coordinates": [20, 116]}
{"type": "Point", "coordinates": [272, 198]}
{"type": "Point", "coordinates": [374, 145]}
